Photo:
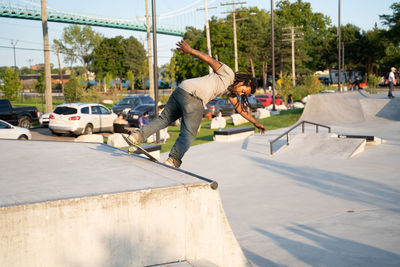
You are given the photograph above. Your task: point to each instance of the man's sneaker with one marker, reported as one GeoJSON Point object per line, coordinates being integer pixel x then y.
{"type": "Point", "coordinates": [134, 138]}
{"type": "Point", "coordinates": [172, 162]}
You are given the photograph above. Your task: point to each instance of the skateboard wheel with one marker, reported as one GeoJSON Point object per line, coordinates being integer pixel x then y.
{"type": "Point", "coordinates": [131, 149]}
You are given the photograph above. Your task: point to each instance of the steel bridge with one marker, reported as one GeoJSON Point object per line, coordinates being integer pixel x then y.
{"type": "Point", "coordinates": [31, 13]}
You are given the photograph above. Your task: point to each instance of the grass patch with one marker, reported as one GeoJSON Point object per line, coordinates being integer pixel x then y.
{"type": "Point", "coordinates": [285, 119]}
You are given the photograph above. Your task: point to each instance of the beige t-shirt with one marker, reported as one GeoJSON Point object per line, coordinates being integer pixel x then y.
{"type": "Point", "coordinates": [210, 86]}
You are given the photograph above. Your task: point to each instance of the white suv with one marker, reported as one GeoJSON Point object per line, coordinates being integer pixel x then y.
{"type": "Point", "coordinates": [81, 118]}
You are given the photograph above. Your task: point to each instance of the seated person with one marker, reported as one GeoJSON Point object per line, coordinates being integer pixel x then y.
{"type": "Point", "coordinates": [119, 124]}
{"type": "Point", "coordinates": [144, 119]}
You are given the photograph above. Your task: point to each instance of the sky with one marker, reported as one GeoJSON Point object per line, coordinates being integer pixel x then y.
{"type": "Point", "coordinates": [27, 34]}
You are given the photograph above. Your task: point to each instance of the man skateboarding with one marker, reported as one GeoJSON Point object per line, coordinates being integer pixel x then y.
{"type": "Point", "coordinates": [188, 100]}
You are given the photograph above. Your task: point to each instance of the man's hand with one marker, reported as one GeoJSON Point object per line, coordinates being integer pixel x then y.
{"type": "Point", "coordinates": [260, 127]}
{"type": "Point", "coordinates": [183, 47]}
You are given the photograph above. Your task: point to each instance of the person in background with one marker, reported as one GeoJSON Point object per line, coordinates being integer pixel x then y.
{"type": "Point", "coordinates": [392, 82]}
{"type": "Point", "coordinates": [290, 101]}
{"type": "Point", "coordinates": [144, 119]}
{"type": "Point", "coordinates": [119, 124]}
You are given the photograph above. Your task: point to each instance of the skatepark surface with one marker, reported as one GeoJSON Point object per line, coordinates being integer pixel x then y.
{"type": "Point", "coordinates": [312, 203]}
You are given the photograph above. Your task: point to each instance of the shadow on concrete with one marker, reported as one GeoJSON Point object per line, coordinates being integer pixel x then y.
{"type": "Point", "coordinates": [337, 184]}
{"type": "Point", "coordinates": [391, 111]}
{"type": "Point", "coordinates": [328, 250]}
{"type": "Point", "coordinates": [259, 260]}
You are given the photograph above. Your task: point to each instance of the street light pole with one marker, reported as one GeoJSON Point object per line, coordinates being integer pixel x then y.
{"type": "Point", "coordinates": [155, 71]}
{"type": "Point", "coordinates": [207, 33]}
{"type": "Point", "coordinates": [47, 68]}
{"type": "Point", "coordinates": [234, 31]}
{"type": "Point", "coordinates": [15, 60]}
{"type": "Point", "coordinates": [273, 54]}
{"type": "Point", "coordinates": [149, 56]}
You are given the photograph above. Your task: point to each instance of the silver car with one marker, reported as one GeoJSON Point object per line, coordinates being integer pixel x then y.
{"type": "Point", "coordinates": [81, 118]}
{"type": "Point", "coordinates": [9, 131]}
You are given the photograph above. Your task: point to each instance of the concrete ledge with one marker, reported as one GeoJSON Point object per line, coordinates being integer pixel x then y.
{"type": "Point", "coordinates": [233, 134]}
{"type": "Point", "coordinates": [153, 149]}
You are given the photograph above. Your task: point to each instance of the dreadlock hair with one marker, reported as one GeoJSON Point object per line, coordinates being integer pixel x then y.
{"type": "Point", "coordinates": [248, 80]}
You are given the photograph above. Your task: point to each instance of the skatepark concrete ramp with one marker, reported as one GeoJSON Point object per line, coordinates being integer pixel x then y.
{"type": "Point", "coordinates": [350, 107]}
{"type": "Point", "coordinates": [323, 146]}
{"type": "Point", "coordinates": [81, 204]}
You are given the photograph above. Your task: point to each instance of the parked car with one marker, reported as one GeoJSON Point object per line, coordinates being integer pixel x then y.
{"type": "Point", "coordinates": [133, 116]}
{"type": "Point", "coordinates": [9, 131]}
{"type": "Point", "coordinates": [224, 107]}
{"type": "Point", "coordinates": [266, 100]}
{"type": "Point", "coordinates": [44, 119]}
{"type": "Point", "coordinates": [81, 118]}
{"type": "Point", "coordinates": [22, 117]}
{"type": "Point", "coordinates": [254, 103]}
{"type": "Point", "coordinates": [210, 106]}
{"type": "Point", "coordinates": [128, 103]}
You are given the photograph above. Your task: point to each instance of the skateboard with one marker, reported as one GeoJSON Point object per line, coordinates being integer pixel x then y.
{"type": "Point", "coordinates": [132, 148]}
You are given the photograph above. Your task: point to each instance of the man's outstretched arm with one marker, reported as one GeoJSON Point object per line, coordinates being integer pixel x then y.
{"type": "Point", "coordinates": [238, 107]}
{"type": "Point", "coordinates": [184, 48]}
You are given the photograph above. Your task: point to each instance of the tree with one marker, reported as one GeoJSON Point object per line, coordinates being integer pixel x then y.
{"type": "Point", "coordinates": [393, 22]}
{"type": "Point", "coordinates": [119, 56]}
{"type": "Point", "coordinates": [134, 56]}
{"type": "Point", "coordinates": [77, 43]}
{"type": "Point", "coordinates": [40, 86]}
{"type": "Point", "coordinates": [11, 84]}
{"type": "Point", "coordinates": [168, 74]}
{"type": "Point", "coordinates": [131, 78]}
{"type": "Point", "coordinates": [74, 88]}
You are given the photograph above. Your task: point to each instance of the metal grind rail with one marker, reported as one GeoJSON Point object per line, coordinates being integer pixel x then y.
{"type": "Point", "coordinates": [317, 125]}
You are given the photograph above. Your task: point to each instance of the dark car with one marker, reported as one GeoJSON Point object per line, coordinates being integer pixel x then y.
{"type": "Point", "coordinates": [133, 116]}
{"type": "Point", "coordinates": [225, 107]}
{"type": "Point", "coordinates": [22, 116]}
{"type": "Point", "coordinates": [210, 106]}
{"type": "Point", "coordinates": [254, 103]}
{"type": "Point", "coordinates": [129, 103]}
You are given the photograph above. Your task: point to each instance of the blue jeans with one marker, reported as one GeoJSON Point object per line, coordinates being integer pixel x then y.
{"type": "Point", "coordinates": [390, 88]}
{"type": "Point", "coordinates": [183, 105]}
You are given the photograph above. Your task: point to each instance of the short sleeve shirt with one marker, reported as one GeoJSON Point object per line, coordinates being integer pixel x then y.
{"type": "Point", "coordinates": [391, 77]}
{"type": "Point", "coordinates": [210, 86]}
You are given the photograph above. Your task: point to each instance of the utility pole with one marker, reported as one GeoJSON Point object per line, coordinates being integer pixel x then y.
{"type": "Point", "coordinates": [30, 62]}
{"type": "Point", "coordinates": [207, 31]}
{"type": "Point", "coordinates": [149, 54]}
{"type": "Point", "coordinates": [292, 39]}
{"type": "Point", "coordinates": [273, 54]}
{"type": "Point", "coordinates": [344, 71]}
{"type": "Point", "coordinates": [155, 71]}
{"type": "Point", "coordinates": [14, 44]}
{"type": "Point", "coordinates": [339, 42]}
{"type": "Point", "coordinates": [48, 96]}
{"type": "Point", "coordinates": [60, 70]}
{"type": "Point", "coordinates": [233, 4]}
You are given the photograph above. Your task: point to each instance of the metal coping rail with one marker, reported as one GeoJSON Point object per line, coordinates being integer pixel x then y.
{"type": "Point", "coordinates": [271, 143]}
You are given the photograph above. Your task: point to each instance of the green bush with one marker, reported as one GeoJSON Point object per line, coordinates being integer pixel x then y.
{"type": "Point", "coordinates": [373, 82]}
{"type": "Point", "coordinates": [299, 92]}
{"type": "Point", "coordinates": [312, 84]}
{"type": "Point", "coordinates": [11, 84]}
{"type": "Point", "coordinates": [74, 89]}
{"type": "Point", "coordinates": [284, 86]}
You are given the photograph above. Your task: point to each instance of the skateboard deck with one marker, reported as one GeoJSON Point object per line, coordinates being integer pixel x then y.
{"type": "Point", "coordinates": [132, 147]}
